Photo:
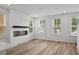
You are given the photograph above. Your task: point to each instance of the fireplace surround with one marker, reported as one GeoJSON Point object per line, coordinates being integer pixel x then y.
{"type": "Point", "coordinates": [20, 32]}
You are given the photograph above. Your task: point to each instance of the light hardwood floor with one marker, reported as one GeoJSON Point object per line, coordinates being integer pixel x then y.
{"type": "Point", "coordinates": [44, 47]}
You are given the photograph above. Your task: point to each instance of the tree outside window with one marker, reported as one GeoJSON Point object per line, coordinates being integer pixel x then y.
{"type": "Point", "coordinates": [57, 23]}
{"type": "Point", "coordinates": [42, 26]}
{"type": "Point", "coordinates": [74, 23]}
{"type": "Point", "coordinates": [30, 26]}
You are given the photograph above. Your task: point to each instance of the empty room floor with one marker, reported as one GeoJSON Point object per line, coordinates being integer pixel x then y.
{"type": "Point", "coordinates": [43, 47]}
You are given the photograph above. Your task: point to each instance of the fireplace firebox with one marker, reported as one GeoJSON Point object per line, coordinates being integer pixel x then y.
{"type": "Point", "coordinates": [19, 33]}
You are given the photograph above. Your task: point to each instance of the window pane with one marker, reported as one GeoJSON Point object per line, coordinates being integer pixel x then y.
{"type": "Point", "coordinates": [74, 24]}
{"type": "Point", "coordinates": [74, 29]}
{"type": "Point", "coordinates": [30, 26]}
{"type": "Point", "coordinates": [74, 21]}
{"type": "Point", "coordinates": [57, 22]}
{"type": "Point", "coordinates": [57, 30]}
{"type": "Point", "coordinates": [30, 29]}
{"type": "Point", "coordinates": [42, 24]}
{"type": "Point", "coordinates": [30, 23]}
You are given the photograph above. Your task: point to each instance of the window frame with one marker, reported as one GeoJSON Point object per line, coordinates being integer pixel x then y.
{"type": "Point", "coordinates": [42, 26]}
{"type": "Point", "coordinates": [72, 26]}
{"type": "Point", "coordinates": [74, 32]}
{"type": "Point", "coordinates": [31, 26]}
{"type": "Point", "coordinates": [55, 26]}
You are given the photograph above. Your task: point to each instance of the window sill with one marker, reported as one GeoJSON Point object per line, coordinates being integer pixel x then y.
{"type": "Point", "coordinates": [74, 33]}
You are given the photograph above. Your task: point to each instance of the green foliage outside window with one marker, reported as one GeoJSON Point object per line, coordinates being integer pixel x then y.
{"type": "Point", "coordinates": [42, 24]}
{"type": "Point", "coordinates": [30, 23]}
{"type": "Point", "coordinates": [57, 22]}
{"type": "Point", "coordinates": [30, 26]}
{"type": "Point", "coordinates": [74, 23]}
{"type": "Point", "coordinates": [74, 29]}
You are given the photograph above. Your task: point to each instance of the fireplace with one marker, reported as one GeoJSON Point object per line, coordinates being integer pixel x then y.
{"type": "Point", "coordinates": [20, 33]}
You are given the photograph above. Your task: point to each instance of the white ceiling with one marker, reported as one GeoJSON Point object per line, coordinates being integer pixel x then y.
{"type": "Point", "coordinates": [46, 9]}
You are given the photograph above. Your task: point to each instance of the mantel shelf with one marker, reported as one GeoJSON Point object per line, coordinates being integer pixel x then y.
{"type": "Point", "coordinates": [20, 26]}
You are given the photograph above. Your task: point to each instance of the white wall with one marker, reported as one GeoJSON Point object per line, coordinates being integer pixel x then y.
{"type": "Point", "coordinates": [15, 17]}
{"type": "Point", "coordinates": [6, 37]}
{"type": "Point", "coordinates": [5, 12]}
{"type": "Point", "coordinates": [20, 19]}
{"type": "Point", "coordinates": [78, 37]}
{"type": "Point", "coordinates": [65, 28]}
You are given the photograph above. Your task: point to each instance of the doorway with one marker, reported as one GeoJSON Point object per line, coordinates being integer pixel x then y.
{"type": "Point", "coordinates": [2, 26]}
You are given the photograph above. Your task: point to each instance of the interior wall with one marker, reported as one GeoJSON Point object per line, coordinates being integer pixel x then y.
{"type": "Point", "coordinates": [65, 28]}
{"type": "Point", "coordinates": [4, 13]}
{"type": "Point", "coordinates": [18, 18]}
{"type": "Point", "coordinates": [4, 24]}
{"type": "Point", "coordinates": [78, 37]}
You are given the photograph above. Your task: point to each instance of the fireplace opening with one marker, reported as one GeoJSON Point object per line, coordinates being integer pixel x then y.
{"type": "Point", "coordinates": [19, 33]}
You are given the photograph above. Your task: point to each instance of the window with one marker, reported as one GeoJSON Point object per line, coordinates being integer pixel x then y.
{"type": "Point", "coordinates": [42, 26]}
{"type": "Point", "coordinates": [30, 26]}
{"type": "Point", "coordinates": [74, 25]}
{"type": "Point", "coordinates": [57, 28]}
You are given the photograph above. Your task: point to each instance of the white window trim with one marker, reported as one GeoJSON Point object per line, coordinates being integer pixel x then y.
{"type": "Point", "coordinates": [42, 29]}
{"type": "Point", "coordinates": [75, 32]}
{"type": "Point", "coordinates": [53, 26]}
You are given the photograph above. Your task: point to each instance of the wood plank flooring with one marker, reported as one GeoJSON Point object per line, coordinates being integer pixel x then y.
{"type": "Point", "coordinates": [44, 47]}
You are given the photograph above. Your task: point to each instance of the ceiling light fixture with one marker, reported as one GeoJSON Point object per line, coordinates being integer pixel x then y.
{"type": "Point", "coordinates": [65, 11]}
